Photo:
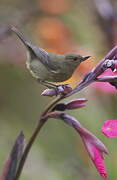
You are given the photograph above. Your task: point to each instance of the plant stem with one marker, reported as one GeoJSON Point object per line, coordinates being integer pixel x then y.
{"type": "Point", "coordinates": [36, 131]}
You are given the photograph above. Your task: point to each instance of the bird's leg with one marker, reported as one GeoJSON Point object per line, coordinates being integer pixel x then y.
{"type": "Point", "coordinates": [58, 88]}
{"type": "Point", "coordinates": [61, 89]}
{"type": "Point", "coordinates": [48, 84]}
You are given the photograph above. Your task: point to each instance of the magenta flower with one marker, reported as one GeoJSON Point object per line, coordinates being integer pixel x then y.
{"type": "Point", "coordinates": [105, 87]}
{"type": "Point", "coordinates": [109, 128]}
{"type": "Point", "coordinates": [96, 155]}
{"type": "Point", "coordinates": [95, 149]}
{"type": "Point", "coordinates": [94, 146]}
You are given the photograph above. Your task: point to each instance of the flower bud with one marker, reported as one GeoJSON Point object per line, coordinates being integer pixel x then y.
{"type": "Point", "coordinates": [61, 89]}
{"type": "Point", "coordinates": [49, 92]}
{"type": "Point", "coordinates": [10, 166]}
{"type": "Point", "coordinates": [75, 104]}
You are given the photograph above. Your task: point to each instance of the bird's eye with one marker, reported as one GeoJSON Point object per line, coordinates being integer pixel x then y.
{"type": "Point", "coordinates": [75, 59]}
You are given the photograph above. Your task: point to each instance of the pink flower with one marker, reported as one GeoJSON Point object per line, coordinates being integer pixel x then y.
{"type": "Point", "coordinates": [94, 146]}
{"type": "Point", "coordinates": [95, 149]}
{"type": "Point", "coordinates": [104, 86]}
{"type": "Point", "coordinates": [96, 156]}
{"type": "Point", "coordinates": [109, 128]}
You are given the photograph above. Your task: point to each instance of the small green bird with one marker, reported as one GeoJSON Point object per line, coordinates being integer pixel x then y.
{"type": "Point", "coordinates": [49, 67]}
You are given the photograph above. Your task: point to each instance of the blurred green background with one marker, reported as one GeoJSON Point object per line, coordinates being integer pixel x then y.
{"type": "Point", "coordinates": [88, 27]}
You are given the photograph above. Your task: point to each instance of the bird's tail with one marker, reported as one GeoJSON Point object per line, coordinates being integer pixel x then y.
{"type": "Point", "coordinates": [28, 45]}
{"type": "Point", "coordinates": [20, 35]}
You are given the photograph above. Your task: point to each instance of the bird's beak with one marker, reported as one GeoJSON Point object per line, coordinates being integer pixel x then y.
{"type": "Point", "coordinates": [85, 58]}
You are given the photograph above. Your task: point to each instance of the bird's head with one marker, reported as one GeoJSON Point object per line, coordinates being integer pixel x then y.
{"type": "Point", "coordinates": [71, 61]}
{"type": "Point", "coordinates": [75, 58]}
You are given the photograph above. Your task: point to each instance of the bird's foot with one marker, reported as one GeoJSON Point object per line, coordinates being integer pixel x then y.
{"type": "Point", "coordinates": [61, 89]}
{"type": "Point", "coordinates": [48, 84]}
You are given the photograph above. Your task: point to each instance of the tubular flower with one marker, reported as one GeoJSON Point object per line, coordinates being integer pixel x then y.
{"type": "Point", "coordinates": [94, 146]}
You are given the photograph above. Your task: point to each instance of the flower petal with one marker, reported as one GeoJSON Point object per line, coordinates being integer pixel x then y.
{"type": "Point", "coordinates": [97, 157]}
{"type": "Point", "coordinates": [99, 162]}
{"type": "Point", "coordinates": [109, 128]}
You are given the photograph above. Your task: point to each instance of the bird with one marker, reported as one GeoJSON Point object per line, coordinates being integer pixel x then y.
{"type": "Point", "coordinates": [49, 68]}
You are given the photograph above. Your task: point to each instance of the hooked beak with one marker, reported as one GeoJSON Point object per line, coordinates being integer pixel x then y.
{"type": "Point", "coordinates": [85, 58]}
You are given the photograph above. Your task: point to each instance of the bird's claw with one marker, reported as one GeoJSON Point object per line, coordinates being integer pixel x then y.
{"type": "Point", "coordinates": [61, 89]}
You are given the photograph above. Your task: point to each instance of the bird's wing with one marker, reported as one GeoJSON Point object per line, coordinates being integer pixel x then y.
{"type": "Point", "coordinates": [44, 58]}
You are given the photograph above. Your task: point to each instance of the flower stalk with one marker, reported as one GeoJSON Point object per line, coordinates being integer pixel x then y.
{"type": "Point", "coordinates": [55, 109]}
{"type": "Point", "coordinates": [32, 139]}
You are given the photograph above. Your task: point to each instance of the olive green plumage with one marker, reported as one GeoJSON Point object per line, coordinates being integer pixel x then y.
{"type": "Point", "coordinates": [49, 67]}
